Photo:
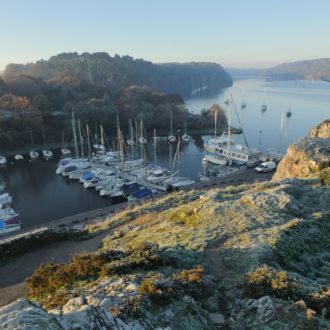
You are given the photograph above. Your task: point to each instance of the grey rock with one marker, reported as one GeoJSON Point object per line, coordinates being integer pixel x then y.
{"type": "Point", "coordinates": [217, 318]}
{"type": "Point", "coordinates": [25, 315]}
{"type": "Point", "coordinates": [212, 304]}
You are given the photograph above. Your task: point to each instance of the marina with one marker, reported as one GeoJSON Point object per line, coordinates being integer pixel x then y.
{"type": "Point", "coordinates": [149, 164]}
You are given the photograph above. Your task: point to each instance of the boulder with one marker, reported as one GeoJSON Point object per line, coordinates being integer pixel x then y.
{"type": "Point", "coordinates": [321, 131]}
{"type": "Point", "coordinates": [26, 315]}
{"type": "Point", "coordinates": [304, 159]}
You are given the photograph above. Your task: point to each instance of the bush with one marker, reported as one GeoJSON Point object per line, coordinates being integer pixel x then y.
{"type": "Point", "coordinates": [324, 176]}
{"type": "Point", "coordinates": [53, 279]}
{"type": "Point", "coordinates": [159, 291]}
{"type": "Point", "coordinates": [187, 282]}
{"type": "Point", "coordinates": [128, 309]}
{"type": "Point", "coordinates": [267, 281]}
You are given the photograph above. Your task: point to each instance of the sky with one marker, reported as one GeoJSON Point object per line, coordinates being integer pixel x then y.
{"type": "Point", "coordinates": [236, 33]}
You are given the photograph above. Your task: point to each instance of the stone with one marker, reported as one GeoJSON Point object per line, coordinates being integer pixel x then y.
{"type": "Point", "coordinates": [212, 304]}
{"type": "Point", "coordinates": [321, 131]}
{"type": "Point", "coordinates": [131, 287]}
{"type": "Point", "coordinates": [26, 315]}
{"type": "Point", "coordinates": [304, 159]}
{"type": "Point", "coordinates": [217, 318]}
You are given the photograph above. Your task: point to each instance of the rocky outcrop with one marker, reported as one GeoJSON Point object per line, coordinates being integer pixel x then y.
{"type": "Point", "coordinates": [76, 314]}
{"type": "Point", "coordinates": [321, 131]}
{"type": "Point", "coordinates": [305, 158]}
{"type": "Point", "coordinates": [269, 313]}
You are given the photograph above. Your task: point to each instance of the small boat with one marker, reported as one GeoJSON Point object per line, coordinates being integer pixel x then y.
{"type": "Point", "coordinates": [171, 138]}
{"type": "Point", "coordinates": [288, 113]}
{"type": "Point", "coordinates": [19, 157]}
{"type": "Point", "coordinates": [8, 213]}
{"type": "Point", "coordinates": [185, 137]}
{"type": "Point", "coordinates": [47, 154]}
{"type": "Point", "coordinates": [264, 106]}
{"type": "Point", "coordinates": [243, 105]}
{"type": "Point", "coordinates": [65, 152]}
{"type": "Point", "coordinates": [5, 199]}
{"type": "Point", "coordinates": [142, 140]}
{"type": "Point", "coordinates": [3, 160]}
{"type": "Point", "coordinates": [8, 228]}
{"type": "Point", "coordinates": [110, 190]}
{"type": "Point", "coordinates": [33, 154]}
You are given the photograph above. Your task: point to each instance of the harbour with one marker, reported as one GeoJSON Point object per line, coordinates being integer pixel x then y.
{"type": "Point", "coordinates": [40, 196]}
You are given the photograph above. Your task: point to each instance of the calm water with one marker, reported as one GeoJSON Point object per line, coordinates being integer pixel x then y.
{"type": "Point", "coordinates": [308, 100]}
{"type": "Point", "coordinates": [40, 195]}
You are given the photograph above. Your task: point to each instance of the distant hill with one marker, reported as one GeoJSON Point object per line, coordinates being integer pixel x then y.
{"type": "Point", "coordinates": [309, 70]}
{"type": "Point", "coordinates": [118, 72]}
{"type": "Point", "coordinates": [244, 73]}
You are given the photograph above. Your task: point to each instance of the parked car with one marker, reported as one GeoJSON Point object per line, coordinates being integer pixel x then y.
{"type": "Point", "coordinates": [266, 167]}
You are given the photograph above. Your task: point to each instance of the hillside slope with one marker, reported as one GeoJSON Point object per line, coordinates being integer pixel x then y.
{"type": "Point", "coordinates": [318, 69]}
{"type": "Point", "coordinates": [116, 73]}
{"type": "Point", "coordinates": [254, 256]}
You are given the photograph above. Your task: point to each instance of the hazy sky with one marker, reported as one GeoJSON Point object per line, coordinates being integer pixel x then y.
{"type": "Point", "coordinates": [241, 33]}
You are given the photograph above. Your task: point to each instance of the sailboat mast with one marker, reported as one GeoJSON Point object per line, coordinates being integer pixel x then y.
{"type": "Point", "coordinates": [102, 137]}
{"type": "Point", "coordinates": [155, 147]}
{"type": "Point", "coordinates": [215, 123]}
{"type": "Point", "coordinates": [185, 122]}
{"type": "Point", "coordinates": [179, 156]}
{"type": "Point", "coordinates": [31, 137]}
{"type": "Point", "coordinates": [81, 139]}
{"type": "Point", "coordinates": [171, 123]}
{"type": "Point", "coordinates": [281, 131]}
{"type": "Point", "coordinates": [75, 136]}
{"type": "Point", "coordinates": [88, 141]}
{"type": "Point", "coordinates": [120, 142]}
{"type": "Point", "coordinates": [229, 123]}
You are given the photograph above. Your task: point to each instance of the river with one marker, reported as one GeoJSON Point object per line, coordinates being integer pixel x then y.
{"type": "Point", "coordinates": [39, 195]}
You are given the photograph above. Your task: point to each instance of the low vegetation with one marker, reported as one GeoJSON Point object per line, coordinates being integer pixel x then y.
{"type": "Point", "coordinates": [57, 280]}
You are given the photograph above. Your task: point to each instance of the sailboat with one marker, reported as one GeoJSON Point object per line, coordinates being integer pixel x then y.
{"type": "Point", "coordinates": [33, 154]}
{"type": "Point", "coordinates": [243, 104]}
{"type": "Point", "coordinates": [288, 113]}
{"type": "Point", "coordinates": [131, 141]}
{"type": "Point", "coordinates": [185, 137]}
{"type": "Point", "coordinates": [224, 151]}
{"type": "Point", "coordinates": [3, 160]}
{"type": "Point", "coordinates": [171, 138]}
{"type": "Point", "coordinates": [142, 140]}
{"type": "Point", "coordinates": [175, 180]}
{"type": "Point", "coordinates": [264, 106]}
{"type": "Point", "coordinates": [64, 150]}
{"type": "Point", "coordinates": [47, 154]}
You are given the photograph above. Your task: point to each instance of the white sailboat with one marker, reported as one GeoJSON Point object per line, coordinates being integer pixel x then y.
{"type": "Point", "coordinates": [142, 140]}
{"type": "Point", "coordinates": [243, 103]}
{"type": "Point", "coordinates": [264, 106]}
{"type": "Point", "coordinates": [64, 150]}
{"type": "Point", "coordinates": [47, 154]}
{"type": "Point", "coordinates": [33, 154]}
{"type": "Point", "coordinates": [185, 137]}
{"type": "Point", "coordinates": [171, 138]}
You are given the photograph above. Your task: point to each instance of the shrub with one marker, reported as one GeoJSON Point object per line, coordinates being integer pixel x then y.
{"type": "Point", "coordinates": [130, 308]}
{"type": "Point", "coordinates": [324, 176]}
{"type": "Point", "coordinates": [267, 281]}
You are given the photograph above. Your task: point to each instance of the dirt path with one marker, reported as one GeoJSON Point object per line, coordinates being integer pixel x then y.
{"type": "Point", "coordinates": [13, 274]}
